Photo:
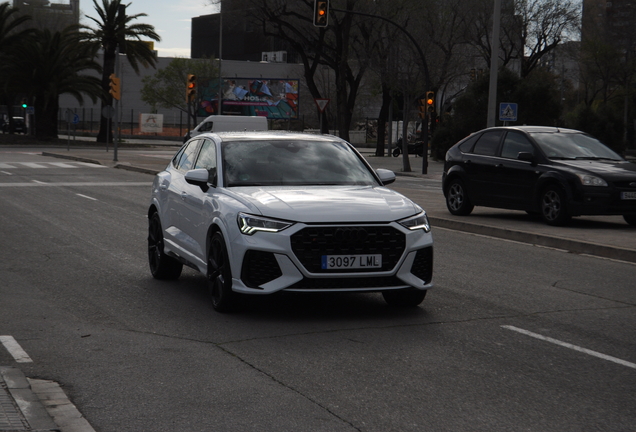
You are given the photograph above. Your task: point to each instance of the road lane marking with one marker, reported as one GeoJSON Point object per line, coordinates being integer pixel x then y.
{"type": "Point", "coordinates": [15, 349]}
{"type": "Point", "coordinates": [571, 346]}
{"type": "Point", "coordinates": [32, 165]}
{"type": "Point", "coordinates": [87, 197]}
{"type": "Point", "coordinates": [62, 165]}
{"type": "Point", "coordinates": [87, 184]}
{"type": "Point", "coordinates": [6, 172]}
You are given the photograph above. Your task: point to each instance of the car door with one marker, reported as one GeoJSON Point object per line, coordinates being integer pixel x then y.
{"type": "Point", "coordinates": [516, 178]}
{"type": "Point", "coordinates": [195, 215]}
{"type": "Point", "coordinates": [479, 166]}
{"type": "Point", "coordinates": [175, 192]}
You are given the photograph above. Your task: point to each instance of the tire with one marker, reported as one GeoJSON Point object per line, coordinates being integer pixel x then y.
{"type": "Point", "coordinates": [404, 298]}
{"type": "Point", "coordinates": [553, 206]}
{"type": "Point", "coordinates": [220, 276]}
{"type": "Point", "coordinates": [162, 266]}
{"type": "Point", "coordinates": [396, 152]}
{"type": "Point", "coordinates": [457, 200]}
{"type": "Point", "coordinates": [630, 219]}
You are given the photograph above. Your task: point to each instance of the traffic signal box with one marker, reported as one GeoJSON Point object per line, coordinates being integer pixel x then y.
{"type": "Point", "coordinates": [191, 88]}
{"type": "Point", "coordinates": [422, 108]}
{"type": "Point", "coordinates": [115, 88]}
{"type": "Point", "coordinates": [430, 101]}
{"type": "Point", "coordinates": [321, 13]}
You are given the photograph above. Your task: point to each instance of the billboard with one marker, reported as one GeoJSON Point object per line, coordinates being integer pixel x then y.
{"type": "Point", "coordinates": [271, 98]}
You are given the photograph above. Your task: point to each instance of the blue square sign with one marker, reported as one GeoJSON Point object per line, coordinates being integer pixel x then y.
{"type": "Point", "coordinates": [507, 111]}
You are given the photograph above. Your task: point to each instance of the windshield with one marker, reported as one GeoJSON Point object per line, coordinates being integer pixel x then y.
{"type": "Point", "coordinates": [573, 146]}
{"type": "Point", "coordinates": [291, 163]}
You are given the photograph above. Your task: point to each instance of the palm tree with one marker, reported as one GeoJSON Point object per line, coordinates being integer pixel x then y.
{"type": "Point", "coordinates": [50, 65]}
{"type": "Point", "coordinates": [113, 29]}
{"type": "Point", "coordinates": [10, 37]}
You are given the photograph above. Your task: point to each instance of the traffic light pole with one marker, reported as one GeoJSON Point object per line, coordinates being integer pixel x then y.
{"type": "Point", "coordinates": [116, 133]}
{"type": "Point", "coordinates": [427, 78]}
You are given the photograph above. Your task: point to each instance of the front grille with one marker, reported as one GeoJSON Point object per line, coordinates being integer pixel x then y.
{"type": "Point", "coordinates": [311, 243]}
{"type": "Point", "coordinates": [259, 268]}
{"type": "Point", "coordinates": [371, 283]}
{"type": "Point", "coordinates": [423, 264]}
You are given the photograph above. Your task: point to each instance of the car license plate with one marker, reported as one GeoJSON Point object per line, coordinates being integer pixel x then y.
{"type": "Point", "coordinates": [628, 195]}
{"type": "Point", "coordinates": [334, 262]}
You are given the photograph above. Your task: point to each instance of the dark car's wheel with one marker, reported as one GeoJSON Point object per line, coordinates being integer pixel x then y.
{"type": "Point", "coordinates": [161, 265]}
{"type": "Point", "coordinates": [630, 219]}
{"type": "Point", "coordinates": [404, 297]}
{"type": "Point", "coordinates": [220, 276]}
{"type": "Point", "coordinates": [457, 200]}
{"type": "Point", "coordinates": [396, 152]}
{"type": "Point", "coordinates": [553, 207]}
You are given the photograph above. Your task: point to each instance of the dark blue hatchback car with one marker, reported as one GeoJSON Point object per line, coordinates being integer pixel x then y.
{"type": "Point", "coordinates": [556, 173]}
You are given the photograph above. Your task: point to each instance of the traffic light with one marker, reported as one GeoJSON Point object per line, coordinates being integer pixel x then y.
{"type": "Point", "coordinates": [473, 74]}
{"type": "Point", "coordinates": [115, 88]}
{"type": "Point", "coordinates": [430, 101]}
{"type": "Point", "coordinates": [191, 88]}
{"type": "Point", "coordinates": [24, 103]}
{"type": "Point", "coordinates": [321, 13]}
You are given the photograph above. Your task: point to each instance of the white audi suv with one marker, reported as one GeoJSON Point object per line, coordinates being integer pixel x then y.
{"type": "Point", "coordinates": [261, 212]}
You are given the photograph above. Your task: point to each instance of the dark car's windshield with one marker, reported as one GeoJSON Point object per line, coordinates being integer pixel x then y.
{"type": "Point", "coordinates": [573, 146]}
{"type": "Point", "coordinates": [292, 162]}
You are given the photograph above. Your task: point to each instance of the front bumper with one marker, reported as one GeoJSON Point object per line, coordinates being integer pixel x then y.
{"type": "Point", "coordinates": [269, 262]}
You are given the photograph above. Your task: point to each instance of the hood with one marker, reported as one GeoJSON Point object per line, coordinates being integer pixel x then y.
{"type": "Point", "coordinates": [610, 170]}
{"type": "Point", "coordinates": [327, 204]}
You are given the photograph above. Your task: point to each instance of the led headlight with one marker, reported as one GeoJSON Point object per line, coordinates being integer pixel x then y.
{"type": "Point", "coordinates": [249, 224]}
{"type": "Point", "coordinates": [419, 221]}
{"type": "Point", "coordinates": [590, 180]}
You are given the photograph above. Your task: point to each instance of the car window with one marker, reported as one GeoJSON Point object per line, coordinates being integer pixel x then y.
{"type": "Point", "coordinates": [467, 145]}
{"type": "Point", "coordinates": [184, 159]}
{"type": "Point", "coordinates": [206, 126]}
{"type": "Point", "coordinates": [207, 160]}
{"type": "Point", "coordinates": [488, 143]}
{"type": "Point", "coordinates": [515, 143]}
{"type": "Point", "coordinates": [573, 146]}
{"type": "Point", "coordinates": [293, 162]}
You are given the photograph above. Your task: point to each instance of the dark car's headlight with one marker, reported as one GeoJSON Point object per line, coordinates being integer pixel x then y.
{"type": "Point", "coordinates": [590, 180]}
{"type": "Point", "coordinates": [249, 224]}
{"type": "Point", "coordinates": [419, 221]}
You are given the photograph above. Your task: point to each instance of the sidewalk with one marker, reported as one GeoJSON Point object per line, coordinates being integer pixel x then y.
{"type": "Point", "coordinates": [603, 236]}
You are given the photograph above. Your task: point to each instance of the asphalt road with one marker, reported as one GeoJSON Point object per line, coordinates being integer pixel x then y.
{"type": "Point", "coordinates": [513, 336]}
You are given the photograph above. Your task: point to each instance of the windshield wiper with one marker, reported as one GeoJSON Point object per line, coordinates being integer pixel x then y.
{"type": "Point", "coordinates": [594, 158]}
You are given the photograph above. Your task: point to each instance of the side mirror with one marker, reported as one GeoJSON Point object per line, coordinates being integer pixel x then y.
{"type": "Point", "coordinates": [198, 177]}
{"type": "Point", "coordinates": [386, 176]}
{"type": "Point", "coordinates": [526, 157]}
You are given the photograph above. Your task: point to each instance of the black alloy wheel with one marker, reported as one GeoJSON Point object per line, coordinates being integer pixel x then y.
{"type": "Point", "coordinates": [220, 276]}
{"type": "Point", "coordinates": [397, 151]}
{"type": "Point", "coordinates": [457, 200]}
{"type": "Point", "coordinates": [162, 266]}
{"type": "Point", "coordinates": [410, 297]}
{"type": "Point", "coordinates": [553, 206]}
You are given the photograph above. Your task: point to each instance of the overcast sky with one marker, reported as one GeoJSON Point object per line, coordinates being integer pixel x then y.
{"type": "Point", "coordinates": [172, 20]}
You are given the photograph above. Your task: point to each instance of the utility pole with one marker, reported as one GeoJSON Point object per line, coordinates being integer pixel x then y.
{"type": "Point", "coordinates": [494, 65]}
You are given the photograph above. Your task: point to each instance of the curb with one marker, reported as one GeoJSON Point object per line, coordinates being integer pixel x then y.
{"type": "Point", "coordinates": [574, 246]}
{"type": "Point", "coordinates": [26, 407]}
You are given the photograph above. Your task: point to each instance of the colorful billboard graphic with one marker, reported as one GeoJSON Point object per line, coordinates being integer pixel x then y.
{"type": "Point", "coordinates": [271, 98]}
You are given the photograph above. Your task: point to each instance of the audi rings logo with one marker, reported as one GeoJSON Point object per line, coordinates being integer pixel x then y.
{"type": "Point", "coordinates": [350, 235]}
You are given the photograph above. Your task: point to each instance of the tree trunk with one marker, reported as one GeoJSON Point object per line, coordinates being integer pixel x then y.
{"type": "Point", "coordinates": [383, 117]}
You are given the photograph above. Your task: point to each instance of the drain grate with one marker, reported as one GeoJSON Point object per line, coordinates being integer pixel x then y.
{"type": "Point", "coordinates": [11, 418]}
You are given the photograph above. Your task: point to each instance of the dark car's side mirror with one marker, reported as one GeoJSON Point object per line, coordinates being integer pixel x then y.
{"type": "Point", "coordinates": [526, 157]}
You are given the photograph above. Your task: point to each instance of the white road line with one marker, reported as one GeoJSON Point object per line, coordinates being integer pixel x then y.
{"type": "Point", "coordinates": [32, 165]}
{"type": "Point", "coordinates": [62, 165]}
{"type": "Point", "coordinates": [6, 172]}
{"type": "Point", "coordinates": [91, 165]}
{"type": "Point", "coordinates": [87, 197]}
{"type": "Point", "coordinates": [15, 349]}
{"type": "Point", "coordinates": [571, 346]}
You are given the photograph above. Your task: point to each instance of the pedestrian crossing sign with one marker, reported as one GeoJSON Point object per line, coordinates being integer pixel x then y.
{"type": "Point", "coordinates": [507, 111]}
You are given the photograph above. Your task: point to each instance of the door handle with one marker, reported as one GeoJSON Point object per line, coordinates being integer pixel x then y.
{"type": "Point", "coordinates": [163, 186]}
{"type": "Point", "coordinates": [184, 195]}
{"type": "Point", "coordinates": [499, 166]}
